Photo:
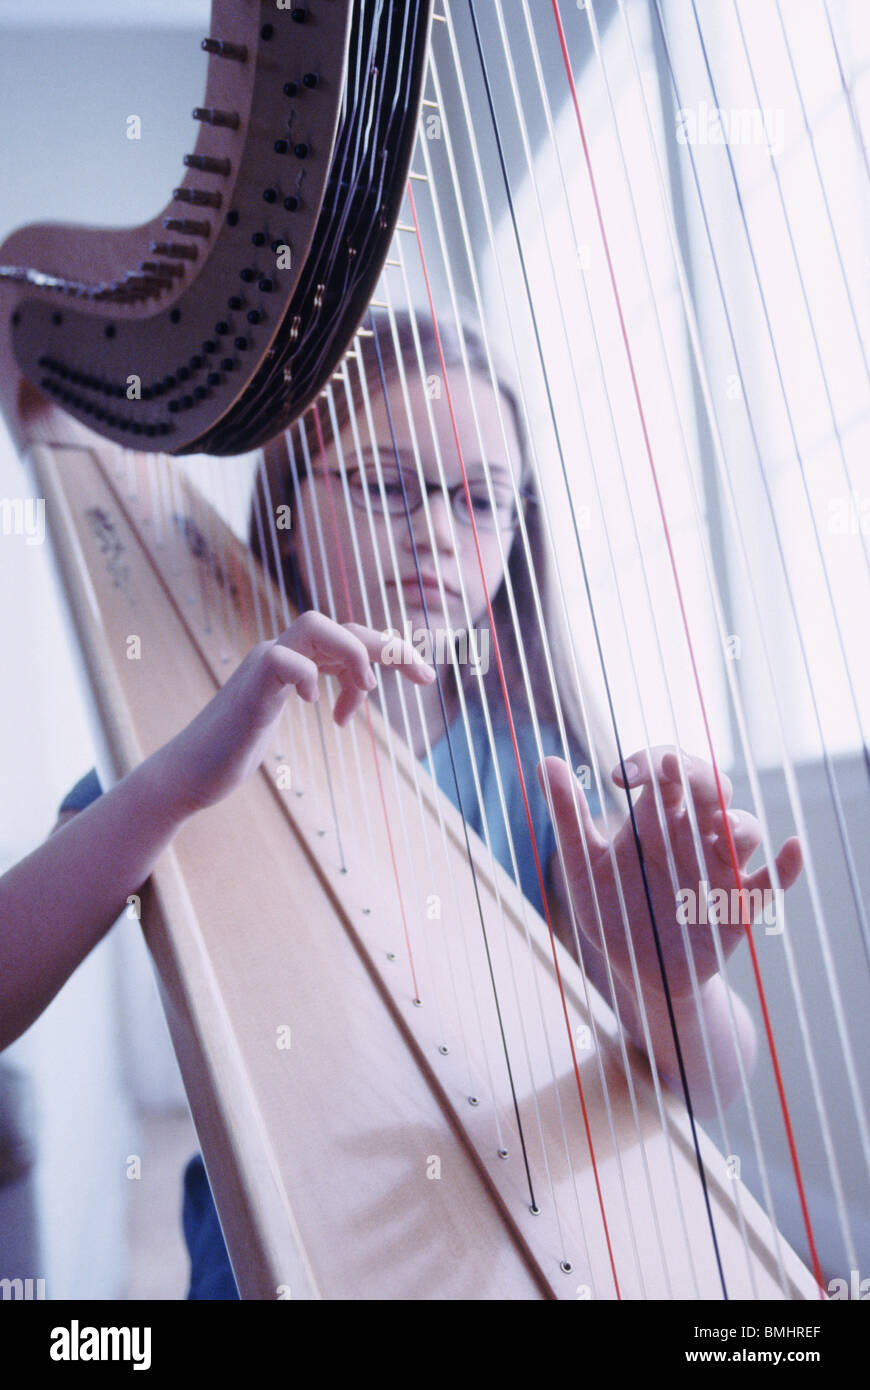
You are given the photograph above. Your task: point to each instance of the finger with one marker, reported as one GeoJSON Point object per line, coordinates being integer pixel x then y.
{"type": "Point", "coordinates": [677, 772]}
{"type": "Point", "coordinates": [569, 811]}
{"type": "Point", "coordinates": [789, 863]}
{"type": "Point", "coordinates": [745, 835]}
{"type": "Point", "coordinates": [647, 764]}
{"type": "Point", "coordinates": [291, 667]}
{"type": "Point", "coordinates": [347, 704]}
{"type": "Point", "coordinates": [708, 790]}
{"type": "Point", "coordinates": [391, 649]}
{"type": "Point", "coordinates": [335, 649]}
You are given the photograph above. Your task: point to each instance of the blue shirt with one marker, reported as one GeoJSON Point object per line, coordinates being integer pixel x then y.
{"type": "Point", "coordinates": [465, 799]}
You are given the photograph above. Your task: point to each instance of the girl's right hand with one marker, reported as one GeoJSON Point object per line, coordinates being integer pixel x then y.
{"type": "Point", "coordinates": [226, 742]}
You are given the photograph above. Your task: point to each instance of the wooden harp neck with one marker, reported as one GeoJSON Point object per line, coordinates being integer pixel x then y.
{"type": "Point", "coordinates": [209, 328]}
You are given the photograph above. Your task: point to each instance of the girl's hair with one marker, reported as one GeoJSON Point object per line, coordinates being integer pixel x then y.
{"type": "Point", "coordinates": [527, 569]}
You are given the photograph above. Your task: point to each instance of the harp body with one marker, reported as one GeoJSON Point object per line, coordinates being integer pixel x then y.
{"type": "Point", "coordinates": [318, 1153]}
{"type": "Point", "coordinates": [362, 1133]}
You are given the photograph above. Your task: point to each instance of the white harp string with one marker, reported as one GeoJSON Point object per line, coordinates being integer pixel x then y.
{"type": "Point", "coordinates": [819, 914]}
{"type": "Point", "coordinates": [554, 690]}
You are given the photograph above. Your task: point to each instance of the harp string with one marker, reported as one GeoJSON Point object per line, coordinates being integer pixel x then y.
{"type": "Point", "coordinates": [381, 480]}
{"type": "Point", "coordinates": [381, 793]}
{"type": "Point", "coordinates": [367, 618]}
{"type": "Point", "coordinates": [472, 752]}
{"type": "Point", "coordinates": [232, 573]}
{"type": "Point", "coordinates": [677, 1044]}
{"type": "Point", "coordinates": [837, 1009]}
{"type": "Point", "coordinates": [401, 372]}
{"type": "Point", "coordinates": [362, 789]}
{"type": "Point", "coordinates": [803, 287]}
{"type": "Point", "coordinates": [793, 790]}
{"type": "Point", "coordinates": [826, 200]}
{"type": "Point", "coordinates": [287, 483]}
{"type": "Point", "coordinates": [515, 747]}
{"type": "Point", "coordinates": [617, 587]}
{"type": "Point", "coordinates": [156, 499]}
{"type": "Point", "coordinates": [299, 512]}
{"type": "Point", "coordinates": [572, 650]}
{"type": "Point", "coordinates": [835, 795]}
{"type": "Point", "coordinates": [795, 799]}
{"type": "Point", "coordinates": [846, 88]}
{"type": "Point", "coordinates": [431, 186]}
{"type": "Point", "coordinates": [716, 603]}
{"type": "Point", "coordinates": [740, 716]}
{"type": "Point", "coordinates": [262, 478]}
{"type": "Point", "coordinates": [454, 774]}
{"type": "Point", "coordinates": [379, 676]}
{"type": "Point", "coordinates": [361, 464]}
{"type": "Point", "coordinates": [726, 826]}
{"type": "Point", "coordinates": [815, 1083]}
{"type": "Point", "coordinates": [400, 595]}
{"type": "Point", "coordinates": [319, 606]}
{"type": "Point", "coordinates": [400, 691]}
{"type": "Point", "coordinates": [279, 619]}
{"type": "Point", "coordinates": [375, 450]}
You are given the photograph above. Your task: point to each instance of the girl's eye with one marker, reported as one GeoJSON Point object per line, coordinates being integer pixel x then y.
{"type": "Point", "coordinates": [502, 503]}
{"type": "Point", "coordinates": [362, 483]}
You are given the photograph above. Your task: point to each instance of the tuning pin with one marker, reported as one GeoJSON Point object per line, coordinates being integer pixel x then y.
{"type": "Point", "coordinates": [211, 116]}
{"type": "Point", "coordinates": [187, 226]}
{"type": "Point", "coordinates": [173, 249]}
{"type": "Point", "coordinates": [207, 164]}
{"type": "Point", "coordinates": [161, 268]}
{"type": "Point", "coordinates": [199, 196]}
{"type": "Point", "coordinates": [221, 49]}
{"type": "Point", "coordinates": [137, 280]}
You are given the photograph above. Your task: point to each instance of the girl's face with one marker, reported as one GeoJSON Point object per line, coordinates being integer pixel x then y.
{"type": "Point", "coordinates": [389, 542]}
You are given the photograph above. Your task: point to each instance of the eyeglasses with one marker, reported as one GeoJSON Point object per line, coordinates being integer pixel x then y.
{"type": "Point", "coordinates": [402, 490]}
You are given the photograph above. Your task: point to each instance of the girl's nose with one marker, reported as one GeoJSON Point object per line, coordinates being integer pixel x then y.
{"type": "Point", "coordinates": [439, 514]}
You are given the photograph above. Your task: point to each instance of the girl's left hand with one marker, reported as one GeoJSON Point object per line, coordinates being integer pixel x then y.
{"type": "Point", "coordinates": [662, 764]}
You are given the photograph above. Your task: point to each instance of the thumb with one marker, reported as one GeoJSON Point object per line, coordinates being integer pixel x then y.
{"type": "Point", "coordinates": [569, 809]}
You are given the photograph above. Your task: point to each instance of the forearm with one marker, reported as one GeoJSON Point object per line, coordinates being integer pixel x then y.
{"type": "Point", "coordinates": [61, 900]}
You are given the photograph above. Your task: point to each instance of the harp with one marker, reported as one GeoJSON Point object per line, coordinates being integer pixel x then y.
{"type": "Point", "coordinates": [458, 1113]}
